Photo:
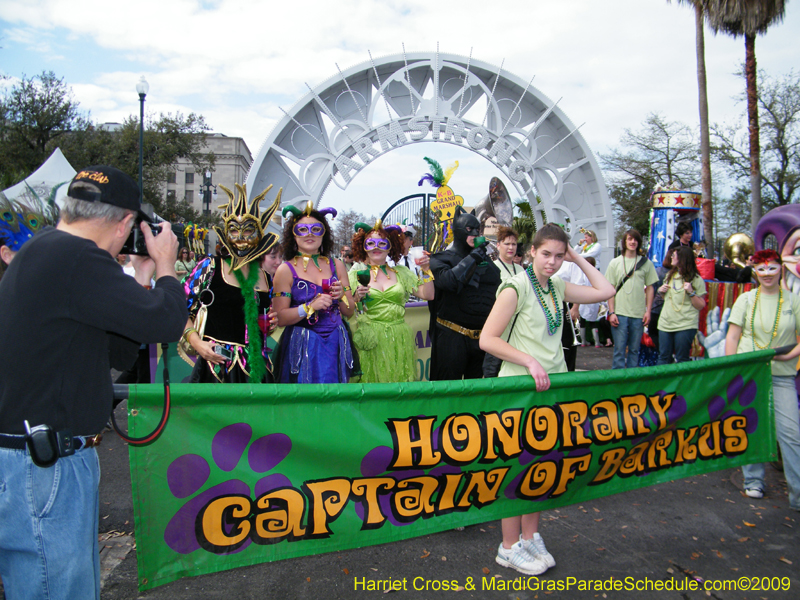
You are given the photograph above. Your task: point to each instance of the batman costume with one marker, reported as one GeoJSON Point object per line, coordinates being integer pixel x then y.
{"type": "Point", "coordinates": [466, 283]}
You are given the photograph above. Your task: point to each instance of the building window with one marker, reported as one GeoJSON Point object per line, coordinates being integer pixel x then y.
{"type": "Point", "coordinates": [189, 196]}
{"type": "Point", "coordinates": [170, 195]}
{"type": "Point", "coordinates": [171, 177]}
{"type": "Point", "coordinates": [189, 178]}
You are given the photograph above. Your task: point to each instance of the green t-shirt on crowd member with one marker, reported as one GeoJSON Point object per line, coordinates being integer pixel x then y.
{"type": "Point", "coordinates": [507, 271]}
{"type": "Point", "coordinates": [764, 322]}
{"type": "Point", "coordinates": [677, 312]}
{"type": "Point", "coordinates": [630, 300]}
{"type": "Point", "coordinates": [530, 334]}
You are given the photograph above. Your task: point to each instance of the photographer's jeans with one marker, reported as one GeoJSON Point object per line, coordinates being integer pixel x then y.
{"type": "Point", "coordinates": [627, 335]}
{"type": "Point", "coordinates": [48, 527]}
{"type": "Point", "coordinates": [787, 428]}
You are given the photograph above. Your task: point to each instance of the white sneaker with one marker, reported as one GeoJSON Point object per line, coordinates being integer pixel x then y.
{"type": "Point", "coordinates": [517, 558]}
{"type": "Point", "coordinates": [536, 548]}
{"type": "Point", "coordinates": [756, 493]}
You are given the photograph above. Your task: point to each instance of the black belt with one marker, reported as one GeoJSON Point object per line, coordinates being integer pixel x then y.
{"type": "Point", "coordinates": [17, 442]}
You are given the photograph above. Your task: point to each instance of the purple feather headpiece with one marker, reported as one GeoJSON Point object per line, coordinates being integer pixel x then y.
{"type": "Point", "coordinates": [297, 213]}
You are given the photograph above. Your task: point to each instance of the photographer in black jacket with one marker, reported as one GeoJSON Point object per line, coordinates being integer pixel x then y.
{"type": "Point", "coordinates": [68, 314]}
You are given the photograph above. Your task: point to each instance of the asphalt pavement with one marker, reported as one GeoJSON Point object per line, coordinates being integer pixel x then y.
{"type": "Point", "coordinates": [666, 541]}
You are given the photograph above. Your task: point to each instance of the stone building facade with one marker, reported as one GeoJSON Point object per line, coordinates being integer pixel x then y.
{"type": "Point", "coordinates": [233, 160]}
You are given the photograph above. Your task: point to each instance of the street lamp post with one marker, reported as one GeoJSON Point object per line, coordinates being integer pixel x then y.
{"type": "Point", "coordinates": [209, 191]}
{"type": "Point", "coordinates": [141, 88]}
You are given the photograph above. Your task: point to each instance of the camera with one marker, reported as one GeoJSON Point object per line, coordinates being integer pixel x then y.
{"type": "Point", "coordinates": [135, 244]}
{"type": "Point", "coordinates": [223, 352]}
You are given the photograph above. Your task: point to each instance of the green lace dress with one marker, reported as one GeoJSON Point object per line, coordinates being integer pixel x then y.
{"type": "Point", "coordinates": [384, 341]}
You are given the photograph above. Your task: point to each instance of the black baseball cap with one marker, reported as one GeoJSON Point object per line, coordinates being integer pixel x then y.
{"type": "Point", "coordinates": [108, 185]}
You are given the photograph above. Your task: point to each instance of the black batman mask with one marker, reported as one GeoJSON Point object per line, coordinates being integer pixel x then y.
{"type": "Point", "coordinates": [464, 225]}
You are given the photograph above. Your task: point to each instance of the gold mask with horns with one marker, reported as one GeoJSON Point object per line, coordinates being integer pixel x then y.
{"type": "Point", "coordinates": [244, 233]}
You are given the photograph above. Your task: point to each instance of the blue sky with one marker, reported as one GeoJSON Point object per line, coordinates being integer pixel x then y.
{"type": "Point", "coordinates": [237, 61]}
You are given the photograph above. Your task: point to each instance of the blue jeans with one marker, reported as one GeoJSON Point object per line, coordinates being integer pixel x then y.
{"type": "Point", "coordinates": [48, 527]}
{"type": "Point", "coordinates": [677, 342]}
{"type": "Point", "coordinates": [787, 428]}
{"type": "Point", "coordinates": [627, 335]}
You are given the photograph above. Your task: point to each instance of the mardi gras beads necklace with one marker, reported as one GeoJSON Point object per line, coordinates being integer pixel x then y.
{"type": "Point", "coordinates": [677, 307]}
{"type": "Point", "coordinates": [761, 319]}
{"type": "Point", "coordinates": [553, 322]}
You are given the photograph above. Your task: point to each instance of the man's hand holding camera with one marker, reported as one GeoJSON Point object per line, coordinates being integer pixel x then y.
{"type": "Point", "coordinates": [162, 250]}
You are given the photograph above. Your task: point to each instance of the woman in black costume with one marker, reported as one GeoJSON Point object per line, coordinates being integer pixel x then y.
{"type": "Point", "coordinates": [229, 298]}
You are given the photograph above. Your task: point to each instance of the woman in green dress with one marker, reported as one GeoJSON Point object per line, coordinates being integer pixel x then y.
{"type": "Point", "coordinates": [384, 341]}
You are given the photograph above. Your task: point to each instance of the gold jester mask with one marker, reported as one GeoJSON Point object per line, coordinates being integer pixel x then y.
{"type": "Point", "coordinates": [244, 233]}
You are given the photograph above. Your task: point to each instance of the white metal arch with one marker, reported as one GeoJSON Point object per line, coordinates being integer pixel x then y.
{"type": "Point", "coordinates": [339, 127]}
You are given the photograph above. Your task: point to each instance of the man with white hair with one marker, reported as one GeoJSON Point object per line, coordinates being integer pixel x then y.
{"type": "Point", "coordinates": [68, 315]}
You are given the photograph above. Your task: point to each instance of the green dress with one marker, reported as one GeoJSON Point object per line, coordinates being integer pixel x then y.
{"type": "Point", "coordinates": [384, 341]}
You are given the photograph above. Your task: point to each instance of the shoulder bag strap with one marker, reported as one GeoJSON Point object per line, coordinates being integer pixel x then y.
{"type": "Point", "coordinates": [629, 275]}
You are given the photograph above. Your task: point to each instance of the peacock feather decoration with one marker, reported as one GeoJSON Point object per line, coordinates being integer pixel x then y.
{"type": "Point", "coordinates": [22, 217]}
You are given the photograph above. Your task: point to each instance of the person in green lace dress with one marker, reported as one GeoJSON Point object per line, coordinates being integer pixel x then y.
{"type": "Point", "coordinates": [384, 341]}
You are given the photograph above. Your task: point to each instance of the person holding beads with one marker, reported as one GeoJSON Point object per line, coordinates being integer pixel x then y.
{"type": "Point", "coordinates": [310, 299]}
{"type": "Point", "coordinates": [506, 251]}
{"type": "Point", "coordinates": [229, 298]}
{"type": "Point", "coordinates": [658, 299]}
{"type": "Point", "coordinates": [534, 299]}
{"type": "Point", "coordinates": [769, 317]}
{"type": "Point", "coordinates": [683, 292]}
{"type": "Point", "coordinates": [384, 341]}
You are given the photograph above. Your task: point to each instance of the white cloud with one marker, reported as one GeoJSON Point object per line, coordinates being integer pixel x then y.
{"type": "Point", "coordinates": [236, 61]}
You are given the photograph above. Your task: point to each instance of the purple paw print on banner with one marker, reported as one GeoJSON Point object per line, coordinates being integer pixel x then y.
{"type": "Point", "coordinates": [740, 395]}
{"type": "Point", "coordinates": [676, 410]}
{"type": "Point", "coordinates": [187, 474]}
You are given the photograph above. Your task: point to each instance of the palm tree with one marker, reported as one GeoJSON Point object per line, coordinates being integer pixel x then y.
{"type": "Point", "coordinates": [525, 223]}
{"type": "Point", "coordinates": [748, 18]}
{"type": "Point", "coordinates": [705, 146]}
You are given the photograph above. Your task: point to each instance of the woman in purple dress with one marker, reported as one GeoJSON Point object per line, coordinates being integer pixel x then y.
{"type": "Point", "coordinates": [310, 298]}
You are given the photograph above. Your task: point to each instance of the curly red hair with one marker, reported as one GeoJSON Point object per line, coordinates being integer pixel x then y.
{"type": "Point", "coordinates": [395, 239]}
{"type": "Point", "coordinates": [766, 256]}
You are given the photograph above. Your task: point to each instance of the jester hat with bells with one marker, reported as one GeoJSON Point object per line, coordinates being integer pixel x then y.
{"type": "Point", "coordinates": [238, 216]}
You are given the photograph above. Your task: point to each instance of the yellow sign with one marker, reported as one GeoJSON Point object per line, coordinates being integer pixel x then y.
{"type": "Point", "coordinates": [446, 202]}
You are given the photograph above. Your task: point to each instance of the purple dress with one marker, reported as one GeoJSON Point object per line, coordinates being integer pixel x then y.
{"type": "Point", "coordinates": [319, 352]}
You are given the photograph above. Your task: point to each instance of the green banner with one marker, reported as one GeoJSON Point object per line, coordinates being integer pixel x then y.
{"type": "Point", "coordinates": [247, 474]}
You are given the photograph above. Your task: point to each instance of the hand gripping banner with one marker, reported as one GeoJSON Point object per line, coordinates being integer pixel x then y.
{"type": "Point", "coordinates": [244, 474]}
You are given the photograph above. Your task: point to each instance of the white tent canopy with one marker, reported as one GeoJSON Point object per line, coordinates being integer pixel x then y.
{"type": "Point", "coordinates": [55, 170]}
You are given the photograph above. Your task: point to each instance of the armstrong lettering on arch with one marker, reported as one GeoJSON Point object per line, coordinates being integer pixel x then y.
{"type": "Point", "coordinates": [341, 126]}
{"type": "Point", "coordinates": [442, 129]}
